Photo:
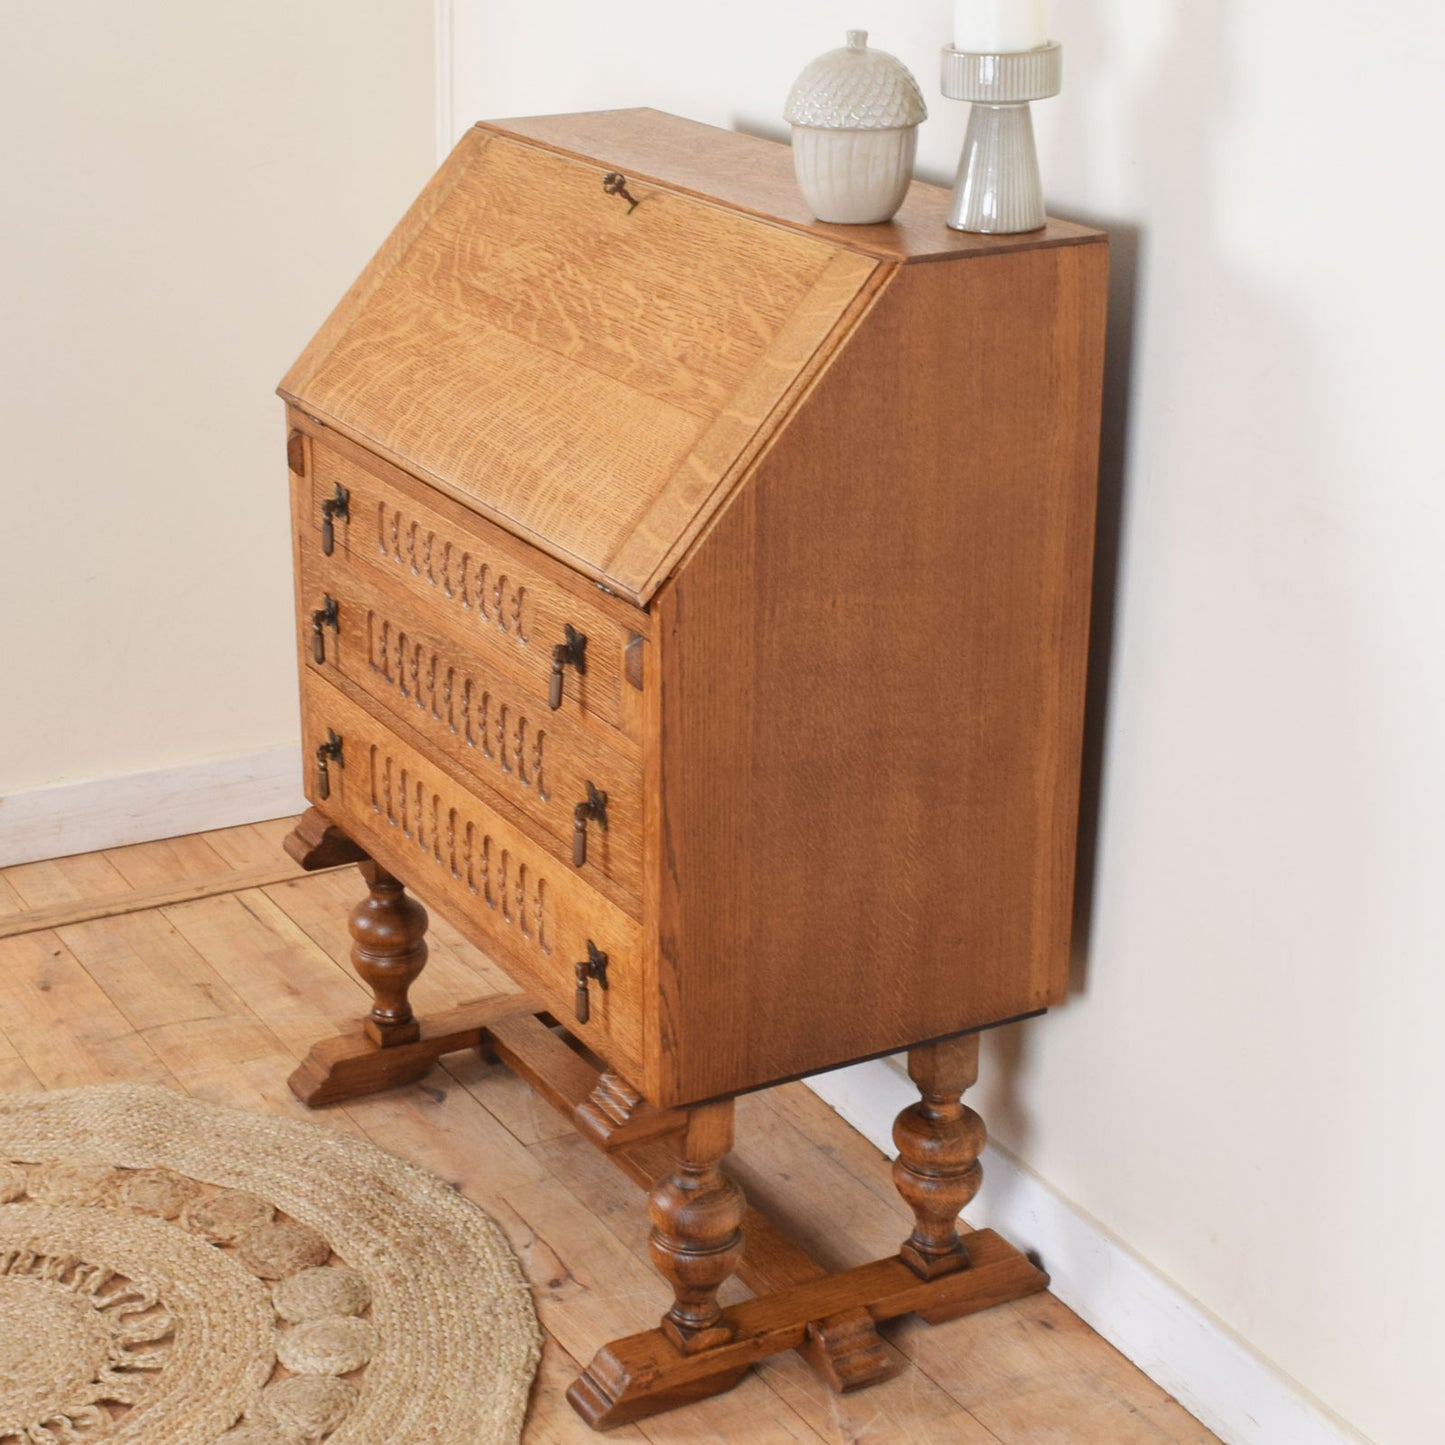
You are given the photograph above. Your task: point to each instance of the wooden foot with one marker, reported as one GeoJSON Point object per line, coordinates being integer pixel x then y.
{"type": "Point", "coordinates": [645, 1374]}
{"type": "Point", "coordinates": [939, 1140]}
{"type": "Point", "coordinates": [316, 842]}
{"type": "Point", "coordinates": [697, 1239]}
{"type": "Point", "coordinates": [616, 1116]}
{"type": "Point", "coordinates": [388, 929]}
{"type": "Point", "coordinates": [847, 1351]}
{"type": "Point", "coordinates": [349, 1066]}
{"type": "Point", "coordinates": [605, 1395]}
{"type": "Point", "coordinates": [388, 950]}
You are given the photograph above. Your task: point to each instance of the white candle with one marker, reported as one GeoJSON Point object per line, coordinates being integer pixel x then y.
{"type": "Point", "coordinates": [998, 27]}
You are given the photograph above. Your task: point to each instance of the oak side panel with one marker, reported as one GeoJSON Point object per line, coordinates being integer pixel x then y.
{"type": "Point", "coordinates": [871, 696]}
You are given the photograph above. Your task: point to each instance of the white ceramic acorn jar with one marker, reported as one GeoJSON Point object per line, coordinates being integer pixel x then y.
{"type": "Point", "coordinates": [855, 114]}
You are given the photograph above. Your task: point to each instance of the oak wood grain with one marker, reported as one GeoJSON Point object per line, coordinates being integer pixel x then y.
{"type": "Point", "coordinates": [510, 896]}
{"type": "Point", "coordinates": [756, 176]}
{"type": "Point", "coordinates": [614, 1115]}
{"type": "Point", "coordinates": [315, 843]}
{"type": "Point", "coordinates": [319, 908]}
{"type": "Point", "coordinates": [871, 701]}
{"type": "Point", "coordinates": [473, 717]}
{"type": "Point", "coordinates": [844, 291]}
{"type": "Point", "coordinates": [348, 1066]}
{"type": "Point", "coordinates": [396, 245]}
{"type": "Point", "coordinates": [58, 915]}
{"type": "Point", "coordinates": [569, 366]}
{"type": "Point", "coordinates": [478, 586]}
{"type": "Point", "coordinates": [641, 1374]}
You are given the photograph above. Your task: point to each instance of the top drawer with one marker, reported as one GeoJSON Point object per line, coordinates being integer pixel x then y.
{"type": "Point", "coordinates": [486, 590]}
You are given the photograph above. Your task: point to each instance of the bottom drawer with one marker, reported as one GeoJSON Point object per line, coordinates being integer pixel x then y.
{"type": "Point", "coordinates": [509, 896]}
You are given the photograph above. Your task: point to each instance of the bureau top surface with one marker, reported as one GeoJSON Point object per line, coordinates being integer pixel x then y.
{"type": "Point", "coordinates": [756, 175]}
{"type": "Point", "coordinates": [593, 369]}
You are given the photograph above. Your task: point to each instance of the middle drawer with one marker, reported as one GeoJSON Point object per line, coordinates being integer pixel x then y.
{"type": "Point", "coordinates": [584, 797]}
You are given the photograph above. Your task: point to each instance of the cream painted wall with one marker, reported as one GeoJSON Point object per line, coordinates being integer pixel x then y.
{"type": "Point", "coordinates": [188, 189]}
{"type": "Point", "coordinates": [1247, 1085]}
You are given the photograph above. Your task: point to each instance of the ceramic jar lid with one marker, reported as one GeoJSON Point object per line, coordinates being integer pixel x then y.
{"type": "Point", "coordinates": [855, 88]}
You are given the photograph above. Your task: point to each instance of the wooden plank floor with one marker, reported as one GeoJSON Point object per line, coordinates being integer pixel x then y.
{"type": "Point", "coordinates": [206, 963]}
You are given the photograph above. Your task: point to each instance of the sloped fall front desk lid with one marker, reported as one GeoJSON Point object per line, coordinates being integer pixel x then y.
{"type": "Point", "coordinates": [593, 376]}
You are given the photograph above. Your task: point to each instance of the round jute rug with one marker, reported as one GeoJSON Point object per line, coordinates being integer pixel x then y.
{"type": "Point", "coordinates": [173, 1273]}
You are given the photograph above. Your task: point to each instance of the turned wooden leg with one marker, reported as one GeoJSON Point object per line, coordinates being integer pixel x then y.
{"type": "Point", "coordinates": [700, 1350]}
{"type": "Point", "coordinates": [939, 1140]}
{"type": "Point", "coordinates": [388, 928]}
{"type": "Point", "coordinates": [697, 1238]}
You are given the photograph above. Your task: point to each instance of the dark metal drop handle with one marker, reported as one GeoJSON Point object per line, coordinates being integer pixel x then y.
{"type": "Point", "coordinates": [592, 808]}
{"type": "Point", "coordinates": [582, 1006]}
{"type": "Point", "coordinates": [327, 615]}
{"type": "Point", "coordinates": [594, 967]}
{"type": "Point", "coordinates": [327, 753]}
{"type": "Point", "coordinates": [331, 509]}
{"type": "Point", "coordinates": [572, 652]}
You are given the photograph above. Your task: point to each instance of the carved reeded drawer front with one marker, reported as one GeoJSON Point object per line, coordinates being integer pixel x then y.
{"type": "Point", "coordinates": [489, 594]}
{"type": "Point", "coordinates": [451, 846]}
{"type": "Point", "coordinates": [585, 795]}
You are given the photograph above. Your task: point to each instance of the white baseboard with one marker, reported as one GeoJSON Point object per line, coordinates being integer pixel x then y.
{"type": "Point", "coordinates": [138, 807]}
{"type": "Point", "coordinates": [1169, 1335]}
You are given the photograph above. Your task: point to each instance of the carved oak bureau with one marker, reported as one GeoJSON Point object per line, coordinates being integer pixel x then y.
{"type": "Point", "coordinates": [692, 606]}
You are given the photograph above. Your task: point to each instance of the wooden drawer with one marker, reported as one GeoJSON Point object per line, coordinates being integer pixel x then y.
{"type": "Point", "coordinates": [478, 720]}
{"type": "Point", "coordinates": [509, 896]}
{"type": "Point", "coordinates": [495, 598]}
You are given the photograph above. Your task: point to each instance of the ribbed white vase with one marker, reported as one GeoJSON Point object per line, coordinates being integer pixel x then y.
{"type": "Point", "coordinates": [998, 190]}
{"type": "Point", "coordinates": [998, 187]}
{"type": "Point", "coordinates": [854, 176]}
